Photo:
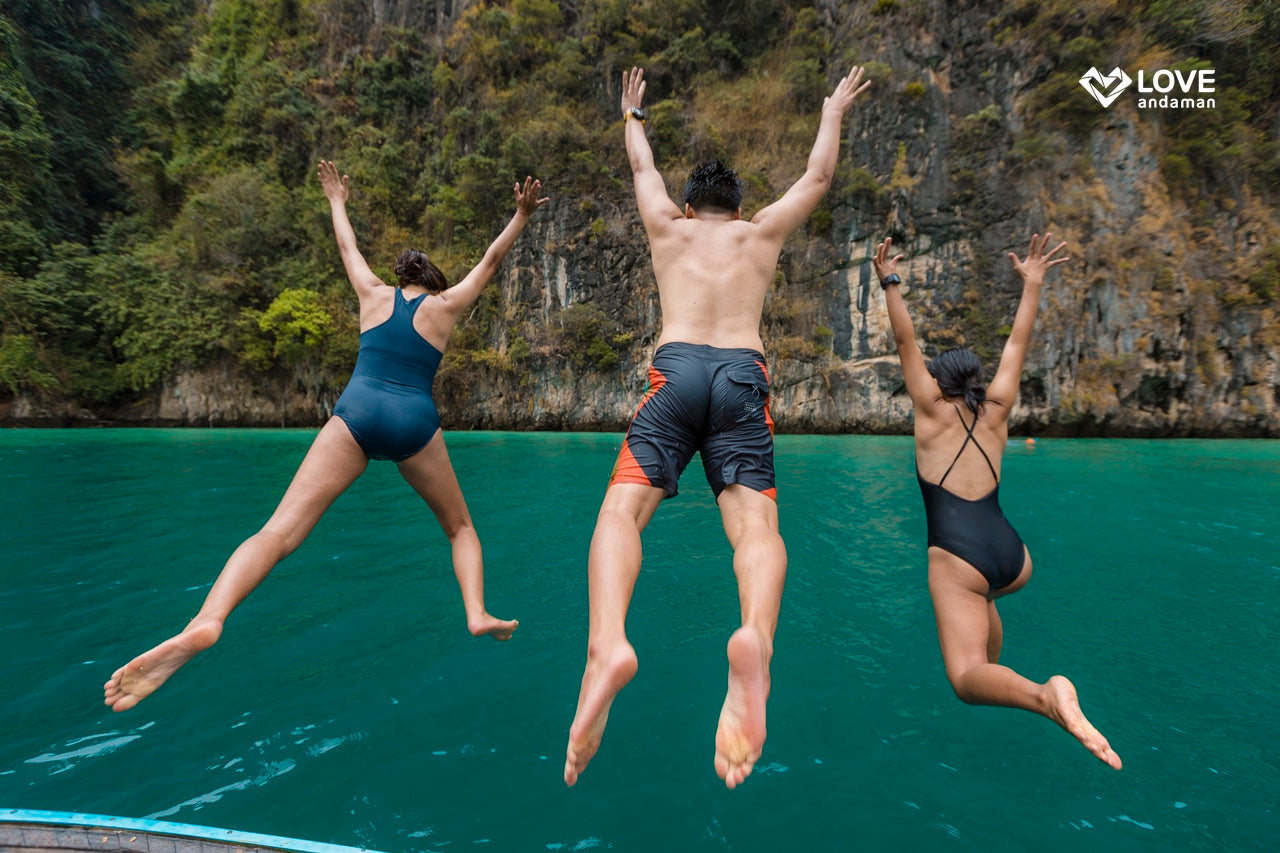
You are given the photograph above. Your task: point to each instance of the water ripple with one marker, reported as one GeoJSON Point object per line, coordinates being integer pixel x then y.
{"type": "Point", "coordinates": [270, 771]}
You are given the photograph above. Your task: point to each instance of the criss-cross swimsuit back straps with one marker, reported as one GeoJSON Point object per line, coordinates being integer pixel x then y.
{"type": "Point", "coordinates": [968, 437]}
{"type": "Point", "coordinates": [976, 531]}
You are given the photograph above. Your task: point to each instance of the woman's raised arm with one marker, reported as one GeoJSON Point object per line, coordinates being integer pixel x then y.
{"type": "Point", "coordinates": [920, 384]}
{"type": "Point", "coordinates": [1004, 387]}
{"type": "Point", "coordinates": [335, 190]}
{"type": "Point", "coordinates": [460, 297]}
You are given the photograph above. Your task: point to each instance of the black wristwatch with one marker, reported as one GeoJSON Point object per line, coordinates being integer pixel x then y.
{"type": "Point", "coordinates": [635, 113]}
{"type": "Point", "coordinates": [891, 278]}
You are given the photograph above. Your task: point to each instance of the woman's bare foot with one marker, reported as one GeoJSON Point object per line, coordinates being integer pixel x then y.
{"type": "Point", "coordinates": [499, 629]}
{"type": "Point", "coordinates": [740, 736]}
{"type": "Point", "coordinates": [140, 677]}
{"type": "Point", "coordinates": [605, 675]}
{"type": "Point", "coordinates": [1064, 709]}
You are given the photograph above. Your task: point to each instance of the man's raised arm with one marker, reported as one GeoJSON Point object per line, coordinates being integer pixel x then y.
{"type": "Point", "coordinates": [656, 207]}
{"type": "Point", "coordinates": [789, 212]}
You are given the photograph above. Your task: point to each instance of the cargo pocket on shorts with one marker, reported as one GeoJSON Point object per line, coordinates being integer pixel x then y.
{"type": "Point", "coordinates": [750, 392]}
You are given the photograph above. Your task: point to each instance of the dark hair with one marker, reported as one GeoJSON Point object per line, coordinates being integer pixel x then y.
{"type": "Point", "coordinates": [413, 269]}
{"type": "Point", "coordinates": [959, 374]}
{"type": "Point", "coordinates": [713, 185]}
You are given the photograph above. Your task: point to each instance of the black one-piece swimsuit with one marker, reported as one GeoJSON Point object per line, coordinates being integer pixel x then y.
{"type": "Point", "coordinates": [975, 531]}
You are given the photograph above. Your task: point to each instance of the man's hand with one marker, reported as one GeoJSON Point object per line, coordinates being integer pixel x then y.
{"type": "Point", "coordinates": [846, 90]}
{"type": "Point", "coordinates": [527, 200]}
{"type": "Point", "coordinates": [885, 265]}
{"type": "Point", "coordinates": [335, 188]}
{"type": "Point", "coordinates": [632, 89]}
{"type": "Point", "coordinates": [1038, 262]}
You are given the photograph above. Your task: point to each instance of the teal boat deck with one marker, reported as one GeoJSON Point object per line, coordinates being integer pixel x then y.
{"type": "Point", "coordinates": [40, 832]}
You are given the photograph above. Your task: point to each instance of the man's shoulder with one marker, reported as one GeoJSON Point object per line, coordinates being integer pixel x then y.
{"type": "Point", "coordinates": [739, 229]}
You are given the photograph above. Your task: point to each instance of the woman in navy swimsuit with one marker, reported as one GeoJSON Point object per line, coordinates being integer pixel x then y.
{"type": "Point", "coordinates": [386, 412]}
{"type": "Point", "coordinates": [975, 555]}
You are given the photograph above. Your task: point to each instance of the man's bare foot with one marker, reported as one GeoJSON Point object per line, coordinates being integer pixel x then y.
{"type": "Point", "coordinates": [1064, 709]}
{"type": "Point", "coordinates": [499, 629]}
{"type": "Point", "coordinates": [740, 736]}
{"type": "Point", "coordinates": [140, 677]}
{"type": "Point", "coordinates": [605, 675]}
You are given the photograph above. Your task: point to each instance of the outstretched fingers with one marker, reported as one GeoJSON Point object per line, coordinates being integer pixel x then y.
{"type": "Point", "coordinates": [1038, 261]}
{"type": "Point", "coordinates": [853, 78]}
{"type": "Point", "coordinates": [333, 186]}
{"type": "Point", "coordinates": [1054, 250]}
{"type": "Point", "coordinates": [882, 251]}
{"type": "Point", "coordinates": [1031, 252]}
{"type": "Point", "coordinates": [633, 85]}
{"type": "Point", "coordinates": [856, 77]}
{"type": "Point", "coordinates": [1050, 264]}
{"type": "Point", "coordinates": [1047, 259]}
{"type": "Point", "coordinates": [881, 260]}
{"type": "Point", "coordinates": [848, 89]}
{"type": "Point", "coordinates": [527, 200]}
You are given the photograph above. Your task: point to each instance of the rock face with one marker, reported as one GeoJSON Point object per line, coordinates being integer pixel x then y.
{"type": "Point", "coordinates": [1149, 331]}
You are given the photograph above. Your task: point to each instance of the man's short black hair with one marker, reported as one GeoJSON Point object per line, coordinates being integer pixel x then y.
{"type": "Point", "coordinates": [715, 185]}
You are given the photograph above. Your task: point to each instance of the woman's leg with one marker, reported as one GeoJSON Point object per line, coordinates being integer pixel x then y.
{"type": "Point", "coordinates": [966, 620]}
{"type": "Point", "coordinates": [431, 475]}
{"type": "Point", "coordinates": [995, 633]}
{"type": "Point", "coordinates": [333, 463]}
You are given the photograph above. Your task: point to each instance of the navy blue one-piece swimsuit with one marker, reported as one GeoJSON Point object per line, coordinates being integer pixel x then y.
{"type": "Point", "coordinates": [387, 403]}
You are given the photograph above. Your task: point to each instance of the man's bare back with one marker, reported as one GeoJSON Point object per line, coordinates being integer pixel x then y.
{"type": "Point", "coordinates": [712, 275]}
{"type": "Point", "coordinates": [714, 268]}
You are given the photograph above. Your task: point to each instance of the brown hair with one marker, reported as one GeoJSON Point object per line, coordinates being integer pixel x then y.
{"type": "Point", "coordinates": [414, 269]}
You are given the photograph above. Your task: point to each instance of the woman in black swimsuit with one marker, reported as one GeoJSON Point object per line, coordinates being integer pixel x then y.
{"type": "Point", "coordinates": [975, 555]}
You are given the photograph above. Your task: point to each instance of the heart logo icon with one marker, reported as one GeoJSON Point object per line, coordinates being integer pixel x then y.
{"type": "Point", "coordinates": [1105, 89]}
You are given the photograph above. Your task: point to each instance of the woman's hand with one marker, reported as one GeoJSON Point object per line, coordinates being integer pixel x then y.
{"type": "Point", "coordinates": [1038, 262]}
{"type": "Point", "coordinates": [335, 188]}
{"type": "Point", "coordinates": [885, 265]}
{"type": "Point", "coordinates": [632, 89]}
{"type": "Point", "coordinates": [527, 200]}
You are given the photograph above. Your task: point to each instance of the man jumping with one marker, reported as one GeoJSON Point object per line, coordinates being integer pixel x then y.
{"type": "Point", "coordinates": [709, 392]}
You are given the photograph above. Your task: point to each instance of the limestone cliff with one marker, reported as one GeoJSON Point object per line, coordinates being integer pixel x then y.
{"type": "Point", "coordinates": [974, 135]}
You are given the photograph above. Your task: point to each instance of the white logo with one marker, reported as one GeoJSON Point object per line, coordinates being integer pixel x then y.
{"type": "Point", "coordinates": [1105, 89]}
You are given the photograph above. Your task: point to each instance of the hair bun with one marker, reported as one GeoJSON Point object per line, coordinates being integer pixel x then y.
{"type": "Point", "coordinates": [974, 397]}
{"type": "Point", "coordinates": [414, 269]}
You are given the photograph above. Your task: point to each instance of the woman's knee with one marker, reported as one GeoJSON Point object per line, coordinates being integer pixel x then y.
{"type": "Point", "coordinates": [459, 529]}
{"type": "Point", "coordinates": [957, 680]}
{"type": "Point", "coordinates": [278, 541]}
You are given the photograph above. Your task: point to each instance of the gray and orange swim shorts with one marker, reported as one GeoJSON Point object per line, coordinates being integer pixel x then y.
{"type": "Point", "coordinates": [701, 399]}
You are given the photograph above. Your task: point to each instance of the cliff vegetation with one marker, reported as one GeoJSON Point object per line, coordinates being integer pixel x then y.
{"type": "Point", "coordinates": [166, 255]}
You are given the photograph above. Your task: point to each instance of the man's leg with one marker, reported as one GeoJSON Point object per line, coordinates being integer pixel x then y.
{"type": "Point", "coordinates": [760, 563]}
{"type": "Point", "coordinates": [613, 566]}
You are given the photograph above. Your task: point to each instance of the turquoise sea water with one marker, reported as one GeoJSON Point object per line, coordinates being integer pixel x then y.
{"type": "Point", "coordinates": [346, 702]}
